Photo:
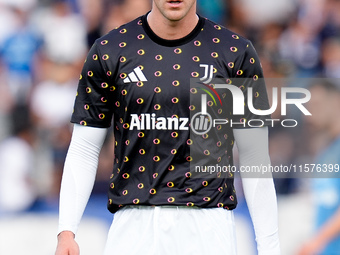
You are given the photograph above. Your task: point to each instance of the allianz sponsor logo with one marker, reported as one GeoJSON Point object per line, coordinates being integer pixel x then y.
{"type": "Point", "coordinates": [147, 121]}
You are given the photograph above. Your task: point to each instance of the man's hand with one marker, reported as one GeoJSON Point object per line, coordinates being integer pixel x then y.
{"type": "Point", "coordinates": [66, 244]}
{"type": "Point", "coordinates": [308, 249]}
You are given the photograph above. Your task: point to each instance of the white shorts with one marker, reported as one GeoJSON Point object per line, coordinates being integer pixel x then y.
{"type": "Point", "coordinates": [163, 230]}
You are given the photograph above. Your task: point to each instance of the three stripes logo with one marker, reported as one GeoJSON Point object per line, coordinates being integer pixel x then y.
{"type": "Point", "coordinates": [135, 76]}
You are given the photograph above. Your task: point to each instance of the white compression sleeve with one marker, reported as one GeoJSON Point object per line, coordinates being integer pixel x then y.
{"type": "Point", "coordinates": [259, 192]}
{"type": "Point", "coordinates": [79, 175]}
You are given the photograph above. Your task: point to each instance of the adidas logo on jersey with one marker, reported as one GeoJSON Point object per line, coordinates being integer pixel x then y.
{"type": "Point", "coordinates": [135, 76]}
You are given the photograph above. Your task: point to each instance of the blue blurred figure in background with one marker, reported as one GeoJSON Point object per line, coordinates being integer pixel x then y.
{"type": "Point", "coordinates": [19, 52]}
{"type": "Point", "coordinates": [324, 106]}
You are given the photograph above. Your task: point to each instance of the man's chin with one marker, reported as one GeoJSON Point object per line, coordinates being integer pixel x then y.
{"type": "Point", "coordinates": [174, 15]}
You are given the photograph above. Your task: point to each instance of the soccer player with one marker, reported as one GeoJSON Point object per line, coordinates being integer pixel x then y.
{"type": "Point", "coordinates": [326, 239]}
{"type": "Point", "coordinates": [139, 76]}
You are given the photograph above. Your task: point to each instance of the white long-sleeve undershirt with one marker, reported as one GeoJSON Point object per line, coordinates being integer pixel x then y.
{"type": "Point", "coordinates": [259, 191]}
{"type": "Point", "coordinates": [79, 175]}
{"type": "Point", "coordinates": [81, 167]}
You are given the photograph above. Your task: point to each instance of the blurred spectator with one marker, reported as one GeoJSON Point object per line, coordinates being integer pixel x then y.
{"type": "Point", "coordinates": [310, 41]}
{"type": "Point", "coordinates": [63, 32]}
{"type": "Point", "coordinates": [282, 152]}
{"type": "Point", "coordinates": [92, 12]}
{"type": "Point", "coordinates": [324, 106]}
{"type": "Point", "coordinates": [8, 21]}
{"type": "Point", "coordinates": [300, 46]}
{"type": "Point", "coordinates": [65, 45]}
{"type": "Point", "coordinates": [51, 105]}
{"type": "Point", "coordinates": [17, 192]}
{"type": "Point", "coordinates": [260, 12]}
{"type": "Point", "coordinates": [18, 52]}
{"type": "Point", "coordinates": [52, 99]}
{"type": "Point", "coordinates": [330, 54]}
{"type": "Point", "coordinates": [122, 11]}
{"type": "Point", "coordinates": [331, 19]}
{"type": "Point", "coordinates": [311, 13]}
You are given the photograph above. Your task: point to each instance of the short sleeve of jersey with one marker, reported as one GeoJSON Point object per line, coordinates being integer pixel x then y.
{"type": "Point", "coordinates": [93, 104]}
{"type": "Point", "coordinates": [250, 75]}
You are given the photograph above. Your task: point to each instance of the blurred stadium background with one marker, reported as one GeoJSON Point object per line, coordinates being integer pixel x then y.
{"type": "Point", "coordinates": [42, 47]}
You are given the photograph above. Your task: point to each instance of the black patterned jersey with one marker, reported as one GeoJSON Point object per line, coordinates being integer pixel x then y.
{"type": "Point", "coordinates": [142, 85]}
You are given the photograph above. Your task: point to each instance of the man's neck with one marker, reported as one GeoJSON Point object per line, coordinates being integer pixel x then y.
{"type": "Point", "coordinates": [171, 30]}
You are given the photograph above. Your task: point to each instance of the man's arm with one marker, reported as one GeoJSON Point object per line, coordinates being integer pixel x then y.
{"type": "Point", "coordinates": [329, 231]}
{"type": "Point", "coordinates": [259, 190]}
{"type": "Point", "coordinates": [77, 183]}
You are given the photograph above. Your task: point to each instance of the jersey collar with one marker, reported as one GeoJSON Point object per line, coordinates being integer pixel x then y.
{"type": "Point", "coordinates": [172, 43]}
